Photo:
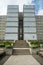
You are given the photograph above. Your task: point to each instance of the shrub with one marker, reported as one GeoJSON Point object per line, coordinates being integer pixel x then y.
{"type": "Point", "coordinates": [8, 44]}
{"type": "Point", "coordinates": [2, 44]}
{"type": "Point", "coordinates": [34, 46]}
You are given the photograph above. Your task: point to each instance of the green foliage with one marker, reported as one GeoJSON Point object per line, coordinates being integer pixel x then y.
{"type": "Point", "coordinates": [2, 44]}
{"type": "Point", "coordinates": [36, 44]}
{"type": "Point", "coordinates": [8, 44]}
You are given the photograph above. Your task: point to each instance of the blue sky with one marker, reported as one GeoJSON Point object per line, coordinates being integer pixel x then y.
{"type": "Point", "coordinates": [38, 5]}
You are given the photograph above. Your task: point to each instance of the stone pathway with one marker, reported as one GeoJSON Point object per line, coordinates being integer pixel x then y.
{"type": "Point", "coordinates": [21, 60]}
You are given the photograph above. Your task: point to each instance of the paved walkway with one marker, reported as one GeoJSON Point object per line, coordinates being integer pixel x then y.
{"type": "Point", "coordinates": [21, 60]}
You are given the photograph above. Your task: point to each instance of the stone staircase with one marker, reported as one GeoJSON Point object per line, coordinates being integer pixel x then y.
{"type": "Point", "coordinates": [21, 44]}
{"type": "Point", "coordinates": [21, 47]}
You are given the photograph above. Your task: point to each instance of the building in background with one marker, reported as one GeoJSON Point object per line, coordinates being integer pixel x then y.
{"type": "Point", "coordinates": [12, 23]}
{"type": "Point", "coordinates": [2, 26]}
{"type": "Point", "coordinates": [39, 27]}
{"type": "Point", "coordinates": [21, 25]}
{"type": "Point", "coordinates": [29, 23]}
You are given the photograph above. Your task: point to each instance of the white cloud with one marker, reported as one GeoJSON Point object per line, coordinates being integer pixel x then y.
{"type": "Point", "coordinates": [40, 12]}
{"type": "Point", "coordinates": [4, 3]}
{"type": "Point", "coordinates": [3, 7]}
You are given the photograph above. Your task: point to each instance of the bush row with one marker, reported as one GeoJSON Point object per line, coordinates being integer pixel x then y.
{"type": "Point", "coordinates": [7, 44]}
{"type": "Point", "coordinates": [36, 44]}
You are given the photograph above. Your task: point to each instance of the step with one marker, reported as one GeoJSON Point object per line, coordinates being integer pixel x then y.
{"type": "Point", "coordinates": [21, 51]}
{"type": "Point", "coordinates": [21, 44]}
